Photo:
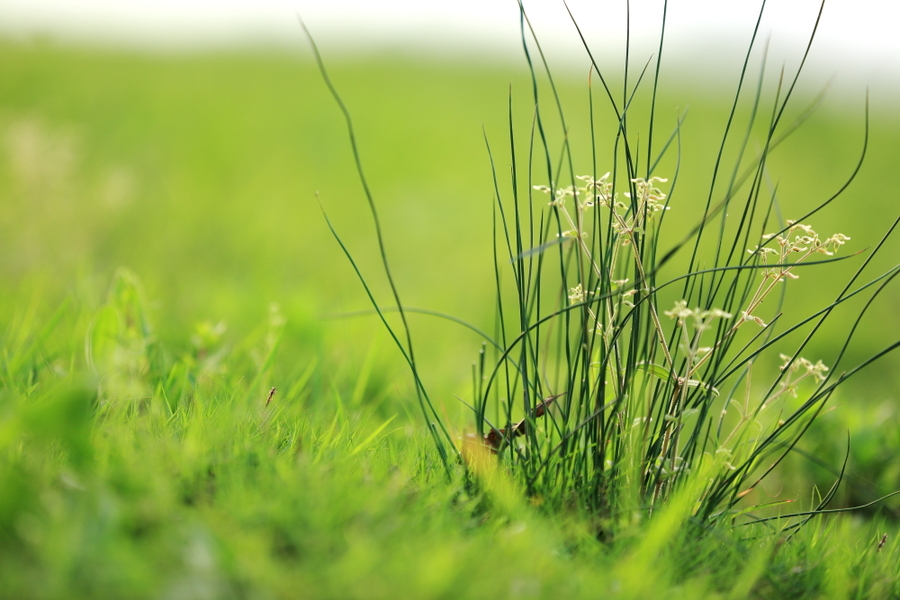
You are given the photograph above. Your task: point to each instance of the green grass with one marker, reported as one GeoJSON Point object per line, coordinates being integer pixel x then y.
{"type": "Point", "coordinates": [138, 456]}
{"type": "Point", "coordinates": [170, 477]}
{"type": "Point", "coordinates": [648, 419]}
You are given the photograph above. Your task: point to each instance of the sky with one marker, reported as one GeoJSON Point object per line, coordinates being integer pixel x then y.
{"type": "Point", "coordinates": [856, 41]}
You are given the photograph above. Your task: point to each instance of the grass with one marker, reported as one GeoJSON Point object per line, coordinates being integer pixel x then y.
{"type": "Point", "coordinates": [171, 477]}
{"type": "Point", "coordinates": [640, 415]}
{"type": "Point", "coordinates": [139, 457]}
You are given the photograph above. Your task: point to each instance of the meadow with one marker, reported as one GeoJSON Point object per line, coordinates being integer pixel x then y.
{"type": "Point", "coordinates": [166, 264]}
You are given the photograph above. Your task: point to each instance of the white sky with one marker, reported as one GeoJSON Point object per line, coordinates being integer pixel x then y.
{"type": "Point", "coordinates": [857, 39]}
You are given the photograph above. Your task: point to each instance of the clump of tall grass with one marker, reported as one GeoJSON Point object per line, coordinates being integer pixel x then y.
{"type": "Point", "coordinates": [622, 378]}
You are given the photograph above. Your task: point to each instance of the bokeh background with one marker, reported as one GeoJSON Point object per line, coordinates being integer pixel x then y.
{"type": "Point", "coordinates": [190, 142]}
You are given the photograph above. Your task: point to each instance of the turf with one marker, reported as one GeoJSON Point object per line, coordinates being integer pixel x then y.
{"type": "Point", "coordinates": [165, 264]}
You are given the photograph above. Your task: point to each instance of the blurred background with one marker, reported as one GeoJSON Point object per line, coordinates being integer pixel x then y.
{"type": "Point", "coordinates": [189, 141]}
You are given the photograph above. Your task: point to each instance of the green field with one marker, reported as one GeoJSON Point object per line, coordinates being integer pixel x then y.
{"type": "Point", "coordinates": [165, 263]}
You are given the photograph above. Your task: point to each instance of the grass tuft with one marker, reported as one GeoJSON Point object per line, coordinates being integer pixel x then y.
{"type": "Point", "coordinates": [633, 368]}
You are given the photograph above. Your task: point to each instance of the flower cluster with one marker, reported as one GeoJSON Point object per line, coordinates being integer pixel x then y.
{"type": "Point", "coordinates": [700, 317]}
{"type": "Point", "coordinates": [796, 238]}
{"type": "Point", "coordinates": [577, 294]}
{"type": "Point", "coordinates": [797, 369]}
{"type": "Point", "coordinates": [648, 195]}
{"type": "Point", "coordinates": [590, 193]}
{"type": "Point", "coordinates": [627, 218]}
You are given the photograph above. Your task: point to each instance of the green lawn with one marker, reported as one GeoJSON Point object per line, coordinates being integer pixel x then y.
{"type": "Point", "coordinates": [165, 263]}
